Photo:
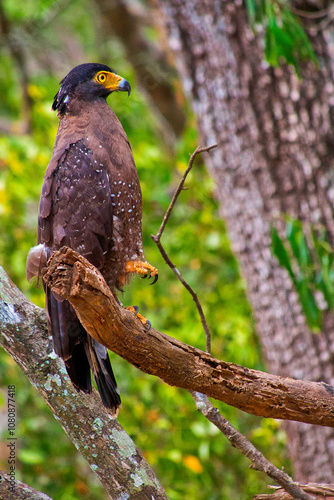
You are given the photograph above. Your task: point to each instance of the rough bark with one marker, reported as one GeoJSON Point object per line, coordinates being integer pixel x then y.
{"type": "Point", "coordinates": [101, 440]}
{"type": "Point", "coordinates": [72, 277]}
{"type": "Point", "coordinates": [275, 144]}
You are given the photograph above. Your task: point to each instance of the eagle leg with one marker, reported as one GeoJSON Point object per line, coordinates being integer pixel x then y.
{"type": "Point", "coordinates": [139, 267]}
{"type": "Point", "coordinates": [144, 320]}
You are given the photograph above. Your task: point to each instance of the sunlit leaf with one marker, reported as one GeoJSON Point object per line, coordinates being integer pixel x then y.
{"type": "Point", "coordinates": [32, 457]}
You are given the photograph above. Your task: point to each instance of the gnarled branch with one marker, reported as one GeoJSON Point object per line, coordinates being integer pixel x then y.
{"type": "Point", "coordinates": [72, 277]}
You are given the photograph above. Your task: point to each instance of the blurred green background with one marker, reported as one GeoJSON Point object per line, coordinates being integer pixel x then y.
{"type": "Point", "coordinates": [191, 458]}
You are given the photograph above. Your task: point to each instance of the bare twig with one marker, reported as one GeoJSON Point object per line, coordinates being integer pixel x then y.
{"type": "Point", "coordinates": [239, 441]}
{"type": "Point", "coordinates": [157, 240]}
{"type": "Point", "coordinates": [178, 190]}
{"type": "Point", "coordinates": [326, 16]}
{"type": "Point", "coordinates": [321, 492]}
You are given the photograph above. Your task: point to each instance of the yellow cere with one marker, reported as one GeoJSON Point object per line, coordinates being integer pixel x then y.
{"type": "Point", "coordinates": [108, 79]}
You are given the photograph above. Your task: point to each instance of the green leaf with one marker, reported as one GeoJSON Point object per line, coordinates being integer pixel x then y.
{"type": "Point", "coordinates": [309, 305]}
{"type": "Point", "coordinates": [285, 38]}
{"type": "Point", "coordinates": [324, 277]}
{"type": "Point", "coordinates": [302, 44]}
{"type": "Point", "coordinates": [308, 279]}
{"type": "Point", "coordinates": [271, 52]}
{"type": "Point", "coordinates": [297, 240]}
{"type": "Point", "coordinates": [281, 253]}
{"type": "Point", "coordinates": [251, 9]}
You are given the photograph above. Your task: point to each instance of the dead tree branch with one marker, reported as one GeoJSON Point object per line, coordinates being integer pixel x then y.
{"type": "Point", "coordinates": [319, 492]}
{"type": "Point", "coordinates": [72, 277]}
{"type": "Point", "coordinates": [101, 440]}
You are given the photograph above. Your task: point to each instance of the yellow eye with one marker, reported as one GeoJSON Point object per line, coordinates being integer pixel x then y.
{"type": "Point", "coordinates": [101, 77]}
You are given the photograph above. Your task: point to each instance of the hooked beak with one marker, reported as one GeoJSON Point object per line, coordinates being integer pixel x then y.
{"type": "Point", "coordinates": [124, 86]}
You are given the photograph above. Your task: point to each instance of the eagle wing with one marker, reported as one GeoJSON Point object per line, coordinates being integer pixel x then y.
{"type": "Point", "coordinates": [76, 208]}
{"type": "Point", "coordinates": [76, 211]}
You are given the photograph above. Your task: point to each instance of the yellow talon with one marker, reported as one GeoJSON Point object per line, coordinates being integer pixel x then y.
{"type": "Point", "coordinates": [139, 267]}
{"type": "Point", "coordinates": [144, 320]}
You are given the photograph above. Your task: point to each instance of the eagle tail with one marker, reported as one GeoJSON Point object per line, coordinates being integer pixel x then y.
{"type": "Point", "coordinates": [78, 369]}
{"type": "Point", "coordinates": [81, 352]}
{"type": "Point", "coordinates": [104, 377]}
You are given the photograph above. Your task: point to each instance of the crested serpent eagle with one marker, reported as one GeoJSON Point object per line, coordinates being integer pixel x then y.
{"type": "Point", "coordinates": [90, 202]}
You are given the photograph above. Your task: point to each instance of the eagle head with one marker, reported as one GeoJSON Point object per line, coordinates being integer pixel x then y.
{"type": "Point", "coordinates": [89, 82]}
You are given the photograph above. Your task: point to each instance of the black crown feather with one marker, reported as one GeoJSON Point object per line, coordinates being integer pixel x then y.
{"type": "Point", "coordinates": [79, 74]}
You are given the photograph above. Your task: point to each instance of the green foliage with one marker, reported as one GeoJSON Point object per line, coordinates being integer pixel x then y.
{"type": "Point", "coordinates": [310, 264]}
{"type": "Point", "coordinates": [191, 459]}
{"type": "Point", "coordinates": [285, 37]}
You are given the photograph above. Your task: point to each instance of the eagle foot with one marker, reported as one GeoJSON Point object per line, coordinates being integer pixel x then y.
{"type": "Point", "coordinates": [144, 320]}
{"type": "Point", "coordinates": [144, 268]}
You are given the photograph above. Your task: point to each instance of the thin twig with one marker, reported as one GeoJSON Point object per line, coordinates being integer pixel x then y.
{"type": "Point", "coordinates": [156, 238]}
{"type": "Point", "coordinates": [239, 441]}
{"type": "Point", "coordinates": [321, 490]}
{"type": "Point", "coordinates": [326, 14]}
{"type": "Point", "coordinates": [197, 151]}
{"type": "Point", "coordinates": [191, 291]}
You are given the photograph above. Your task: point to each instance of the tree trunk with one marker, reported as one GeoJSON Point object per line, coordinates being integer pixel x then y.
{"type": "Point", "coordinates": [275, 139]}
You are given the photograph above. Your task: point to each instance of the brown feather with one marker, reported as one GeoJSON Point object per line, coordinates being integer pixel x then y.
{"type": "Point", "coordinates": [36, 262]}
